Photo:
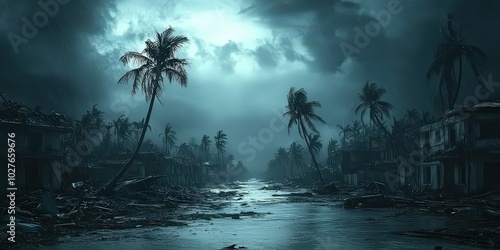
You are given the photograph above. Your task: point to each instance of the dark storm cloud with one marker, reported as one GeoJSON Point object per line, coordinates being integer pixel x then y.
{"type": "Point", "coordinates": [266, 58]}
{"type": "Point", "coordinates": [53, 64]}
{"type": "Point", "coordinates": [396, 56]}
{"type": "Point", "coordinates": [225, 56]}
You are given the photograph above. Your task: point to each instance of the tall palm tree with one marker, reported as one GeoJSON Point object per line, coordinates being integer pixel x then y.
{"type": "Point", "coordinates": [450, 52]}
{"type": "Point", "coordinates": [301, 112]}
{"type": "Point", "coordinates": [370, 96]}
{"type": "Point", "coordinates": [205, 144]}
{"type": "Point", "coordinates": [220, 144]}
{"type": "Point", "coordinates": [169, 138]}
{"type": "Point", "coordinates": [154, 62]}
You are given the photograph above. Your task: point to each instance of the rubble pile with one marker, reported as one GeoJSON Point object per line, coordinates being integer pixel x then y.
{"type": "Point", "coordinates": [42, 217]}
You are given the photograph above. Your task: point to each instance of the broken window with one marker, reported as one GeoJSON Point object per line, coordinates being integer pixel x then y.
{"type": "Point", "coordinates": [427, 175]}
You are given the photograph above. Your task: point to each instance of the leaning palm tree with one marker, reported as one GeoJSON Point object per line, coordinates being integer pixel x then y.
{"type": "Point", "coordinates": [220, 144]}
{"type": "Point", "coordinates": [169, 138]}
{"type": "Point", "coordinates": [301, 112]}
{"type": "Point", "coordinates": [155, 62]}
{"type": "Point", "coordinates": [205, 144]}
{"type": "Point", "coordinates": [370, 96]}
{"type": "Point", "coordinates": [450, 52]}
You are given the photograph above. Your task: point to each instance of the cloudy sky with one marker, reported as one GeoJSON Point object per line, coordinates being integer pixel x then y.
{"type": "Point", "coordinates": [244, 56]}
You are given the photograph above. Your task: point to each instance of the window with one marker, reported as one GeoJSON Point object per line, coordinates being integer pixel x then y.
{"type": "Point", "coordinates": [452, 135]}
{"type": "Point", "coordinates": [425, 137]}
{"type": "Point", "coordinates": [427, 175]}
{"type": "Point", "coordinates": [489, 130]}
{"type": "Point", "coordinates": [437, 135]}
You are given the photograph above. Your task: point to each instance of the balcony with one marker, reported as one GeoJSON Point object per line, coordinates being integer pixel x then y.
{"type": "Point", "coordinates": [488, 144]}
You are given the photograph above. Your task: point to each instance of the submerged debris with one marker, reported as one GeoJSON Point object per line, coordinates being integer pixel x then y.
{"type": "Point", "coordinates": [42, 216]}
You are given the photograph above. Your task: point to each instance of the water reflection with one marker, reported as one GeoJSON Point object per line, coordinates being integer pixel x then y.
{"type": "Point", "coordinates": [289, 226]}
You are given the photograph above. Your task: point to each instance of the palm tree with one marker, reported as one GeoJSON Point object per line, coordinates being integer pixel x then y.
{"type": "Point", "coordinates": [89, 125]}
{"type": "Point", "coordinates": [356, 130]}
{"type": "Point", "coordinates": [123, 131]}
{"type": "Point", "coordinates": [315, 143]}
{"type": "Point", "coordinates": [205, 144]}
{"type": "Point", "coordinates": [301, 112]}
{"type": "Point", "coordinates": [296, 157]}
{"type": "Point", "coordinates": [155, 61]}
{"type": "Point", "coordinates": [370, 96]}
{"type": "Point", "coordinates": [411, 117]}
{"type": "Point", "coordinates": [345, 133]}
{"type": "Point", "coordinates": [116, 126]}
{"type": "Point", "coordinates": [187, 152]}
{"type": "Point", "coordinates": [450, 52]}
{"type": "Point", "coordinates": [96, 116]}
{"type": "Point", "coordinates": [169, 138]}
{"type": "Point", "coordinates": [106, 140]}
{"type": "Point", "coordinates": [137, 126]}
{"type": "Point", "coordinates": [282, 158]}
{"type": "Point", "coordinates": [220, 144]}
{"type": "Point", "coordinates": [333, 146]}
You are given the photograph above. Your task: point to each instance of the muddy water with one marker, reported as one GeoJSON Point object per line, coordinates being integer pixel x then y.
{"type": "Point", "coordinates": [290, 225]}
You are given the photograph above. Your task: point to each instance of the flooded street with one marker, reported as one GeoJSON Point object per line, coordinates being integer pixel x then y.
{"type": "Point", "coordinates": [281, 224]}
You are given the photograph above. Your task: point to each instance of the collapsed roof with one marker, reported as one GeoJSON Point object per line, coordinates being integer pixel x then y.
{"type": "Point", "coordinates": [15, 113]}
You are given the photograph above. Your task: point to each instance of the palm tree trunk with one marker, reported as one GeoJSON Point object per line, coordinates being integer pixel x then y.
{"type": "Point", "coordinates": [306, 138]}
{"type": "Point", "coordinates": [108, 189]}
{"type": "Point", "coordinates": [459, 79]}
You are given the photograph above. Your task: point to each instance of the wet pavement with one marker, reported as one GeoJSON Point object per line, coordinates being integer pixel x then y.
{"type": "Point", "coordinates": [281, 224]}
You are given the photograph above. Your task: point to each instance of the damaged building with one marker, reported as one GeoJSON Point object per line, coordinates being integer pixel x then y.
{"type": "Point", "coordinates": [462, 150]}
{"type": "Point", "coordinates": [39, 145]}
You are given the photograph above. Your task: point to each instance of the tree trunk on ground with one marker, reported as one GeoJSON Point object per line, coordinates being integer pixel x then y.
{"type": "Point", "coordinates": [306, 138]}
{"type": "Point", "coordinates": [108, 189]}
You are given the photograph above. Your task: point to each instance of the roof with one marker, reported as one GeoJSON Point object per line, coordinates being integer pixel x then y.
{"type": "Point", "coordinates": [18, 114]}
{"type": "Point", "coordinates": [473, 107]}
